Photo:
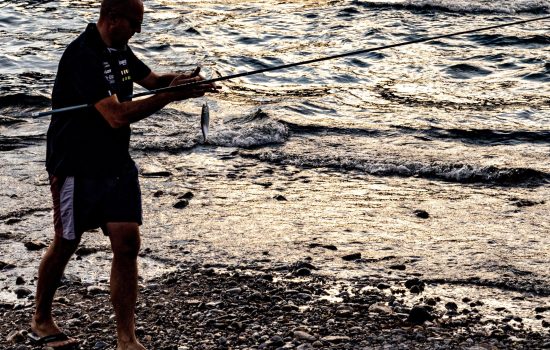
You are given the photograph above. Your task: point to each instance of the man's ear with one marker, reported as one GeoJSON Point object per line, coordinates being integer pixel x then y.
{"type": "Point", "coordinates": [113, 18]}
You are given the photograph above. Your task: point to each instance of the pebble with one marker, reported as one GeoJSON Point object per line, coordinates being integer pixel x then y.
{"type": "Point", "coordinates": [380, 308]}
{"type": "Point", "coordinates": [302, 272]}
{"type": "Point", "coordinates": [181, 204]}
{"type": "Point", "coordinates": [336, 339]}
{"type": "Point", "coordinates": [96, 290]}
{"type": "Point", "coordinates": [352, 257]}
{"type": "Point", "coordinates": [83, 251]}
{"type": "Point", "coordinates": [6, 266]}
{"type": "Point", "coordinates": [421, 214]}
{"type": "Point", "coordinates": [188, 195]}
{"type": "Point", "coordinates": [300, 335]}
{"type": "Point", "coordinates": [22, 292]}
{"type": "Point", "coordinates": [541, 309]}
{"type": "Point", "coordinates": [400, 267]}
{"type": "Point", "coordinates": [99, 345]}
{"type": "Point", "coordinates": [236, 290]}
{"type": "Point", "coordinates": [419, 314]}
{"type": "Point", "coordinates": [15, 337]}
{"type": "Point", "coordinates": [451, 306]}
{"type": "Point", "coordinates": [35, 245]}
{"type": "Point", "coordinates": [201, 306]}
{"type": "Point", "coordinates": [12, 221]}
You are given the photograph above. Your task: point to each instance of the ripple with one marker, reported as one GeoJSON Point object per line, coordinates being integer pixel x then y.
{"type": "Point", "coordinates": [466, 71]}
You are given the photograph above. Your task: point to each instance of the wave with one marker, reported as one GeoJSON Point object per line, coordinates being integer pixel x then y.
{"type": "Point", "coordinates": [469, 136]}
{"type": "Point", "coordinates": [509, 40]}
{"type": "Point", "coordinates": [8, 143]}
{"type": "Point", "coordinates": [24, 100]}
{"type": "Point", "coordinates": [463, 6]}
{"type": "Point", "coordinates": [253, 130]}
{"type": "Point", "coordinates": [477, 104]}
{"type": "Point", "coordinates": [466, 71]}
{"type": "Point", "coordinates": [481, 136]}
{"type": "Point", "coordinates": [460, 173]}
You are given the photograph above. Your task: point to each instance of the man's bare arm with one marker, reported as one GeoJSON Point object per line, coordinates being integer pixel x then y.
{"type": "Point", "coordinates": [119, 114]}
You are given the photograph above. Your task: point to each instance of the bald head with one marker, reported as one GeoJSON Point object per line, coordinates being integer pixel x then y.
{"type": "Point", "coordinates": [119, 20]}
{"type": "Point", "coordinates": [110, 7]}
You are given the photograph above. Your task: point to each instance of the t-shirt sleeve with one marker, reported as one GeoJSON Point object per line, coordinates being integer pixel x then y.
{"type": "Point", "coordinates": [138, 69]}
{"type": "Point", "coordinates": [88, 77]}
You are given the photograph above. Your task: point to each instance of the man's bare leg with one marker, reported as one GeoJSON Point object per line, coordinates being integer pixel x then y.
{"type": "Point", "coordinates": [51, 269]}
{"type": "Point", "coordinates": [125, 243]}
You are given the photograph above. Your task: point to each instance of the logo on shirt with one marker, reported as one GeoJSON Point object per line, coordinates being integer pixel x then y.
{"type": "Point", "coordinates": [108, 73]}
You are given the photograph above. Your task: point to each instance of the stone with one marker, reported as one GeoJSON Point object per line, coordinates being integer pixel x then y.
{"type": "Point", "coordinates": [12, 221]}
{"type": "Point", "coordinates": [83, 251]}
{"type": "Point", "coordinates": [19, 280]}
{"type": "Point", "coordinates": [6, 266]}
{"type": "Point", "coordinates": [352, 257]}
{"type": "Point", "coordinates": [35, 245]}
{"type": "Point", "coordinates": [96, 290]}
{"type": "Point", "coordinates": [302, 272]}
{"type": "Point", "coordinates": [431, 301]}
{"type": "Point", "coordinates": [16, 337]}
{"type": "Point", "coordinates": [301, 335]}
{"type": "Point", "coordinates": [451, 306]}
{"type": "Point", "coordinates": [419, 314]}
{"type": "Point", "coordinates": [181, 204]}
{"type": "Point", "coordinates": [99, 345]}
{"type": "Point", "coordinates": [22, 292]}
{"type": "Point", "coordinates": [335, 339]}
{"type": "Point", "coordinates": [400, 267]}
{"type": "Point", "coordinates": [414, 282]}
{"type": "Point", "coordinates": [421, 214]}
{"type": "Point", "coordinates": [188, 195]}
{"type": "Point", "coordinates": [380, 308]}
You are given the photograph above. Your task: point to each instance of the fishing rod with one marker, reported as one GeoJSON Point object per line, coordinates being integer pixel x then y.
{"type": "Point", "coordinates": [295, 64]}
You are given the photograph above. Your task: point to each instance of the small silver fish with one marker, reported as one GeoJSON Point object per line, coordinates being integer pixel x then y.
{"type": "Point", "coordinates": [205, 120]}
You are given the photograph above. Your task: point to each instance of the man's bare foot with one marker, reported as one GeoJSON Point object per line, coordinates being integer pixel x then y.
{"type": "Point", "coordinates": [40, 330]}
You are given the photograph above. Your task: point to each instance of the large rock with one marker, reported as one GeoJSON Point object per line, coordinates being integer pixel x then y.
{"type": "Point", "coordinates": [419, 314]}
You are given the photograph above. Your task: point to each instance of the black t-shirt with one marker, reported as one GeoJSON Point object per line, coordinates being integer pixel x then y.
{"type": "Point", "coordinates": [81, 142]}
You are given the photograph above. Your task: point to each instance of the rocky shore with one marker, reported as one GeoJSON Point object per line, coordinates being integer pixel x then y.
{"type": "Point", "coordinates": [287, 307]}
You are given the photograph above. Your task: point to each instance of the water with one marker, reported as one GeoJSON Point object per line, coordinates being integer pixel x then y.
{"type": "Point", "coordinates": [456, 127]}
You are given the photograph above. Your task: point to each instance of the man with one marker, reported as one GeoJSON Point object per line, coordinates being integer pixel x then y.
{"type": "Point", "coordinates": [93, 180]}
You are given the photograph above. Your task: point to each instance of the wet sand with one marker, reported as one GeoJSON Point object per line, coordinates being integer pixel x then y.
{"type": "Point", "coordinates": [237, 255]}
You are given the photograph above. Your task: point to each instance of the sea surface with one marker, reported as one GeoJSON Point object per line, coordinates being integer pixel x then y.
{"type": "Point", "coordinates": [434, 156]}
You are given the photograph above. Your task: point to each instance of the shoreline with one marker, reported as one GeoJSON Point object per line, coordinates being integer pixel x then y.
{"type": "Point", "coordinates": [267, 221]}
{"type": "Point", "coordinates": [291, 307]}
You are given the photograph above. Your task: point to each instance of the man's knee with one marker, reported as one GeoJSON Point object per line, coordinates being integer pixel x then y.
{"type": "Point", "coordinates": [63, 247]}
{"type": "Point", "coordinates": [125, 239]}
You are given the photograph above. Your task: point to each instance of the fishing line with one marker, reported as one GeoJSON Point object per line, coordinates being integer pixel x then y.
{"type": "Point", "coordinates": [295, 64]}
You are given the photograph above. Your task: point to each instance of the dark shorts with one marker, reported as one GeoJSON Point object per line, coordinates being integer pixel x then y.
{"type": "Point", "coordinates": [84, 203]}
